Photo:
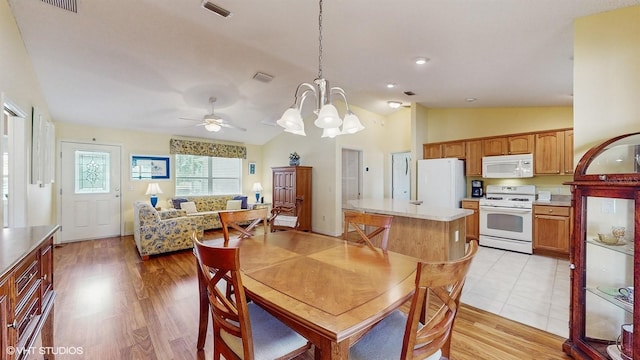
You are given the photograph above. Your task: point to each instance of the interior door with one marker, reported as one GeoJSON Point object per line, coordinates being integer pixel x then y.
{"type": "Point", "coordinates": [89, 191]}
{"type": "Point", "coordinates": [401, 175]}
{"type": "Point", "coordinates": [351, 170]}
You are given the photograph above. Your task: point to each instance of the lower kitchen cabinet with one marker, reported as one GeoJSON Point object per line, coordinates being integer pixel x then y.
{"type": "Point", "coordinates": [551, 229]}
{"type": "Point", "coordinates": [4, 318]}
{"type": "Point", "coordinates": [473, 220]}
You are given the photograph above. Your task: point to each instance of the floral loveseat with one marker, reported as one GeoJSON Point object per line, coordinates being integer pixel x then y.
{"type": "Point", "coordinates": [157, 232]}
{"type": "Point", "coordinates": [208, 207]}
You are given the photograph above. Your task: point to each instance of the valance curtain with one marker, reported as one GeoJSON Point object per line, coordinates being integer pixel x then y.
{"type": "Point", "coordinates": [190, 147]}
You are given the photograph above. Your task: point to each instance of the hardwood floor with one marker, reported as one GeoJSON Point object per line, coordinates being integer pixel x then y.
{"type": "Point", "coordinates": [111, 305]}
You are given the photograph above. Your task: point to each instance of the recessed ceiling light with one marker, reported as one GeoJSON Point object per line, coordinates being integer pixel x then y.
{"type": "Point", "coordinates": [391, 85]}
{"type": "Point", "coordinates": [394, 104]}
{"type": "Point", "coordinates": [470, 99]}
{"type": "Point", "coordinates": [421, 61]}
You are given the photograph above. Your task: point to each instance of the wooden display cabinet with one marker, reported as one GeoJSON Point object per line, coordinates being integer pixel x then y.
{"type": "Point", "coordinates": [290, 182]}
{"type": "Point", "coordinates": [605, 193]}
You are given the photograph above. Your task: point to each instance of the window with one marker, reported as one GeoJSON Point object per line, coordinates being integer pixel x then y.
{"type": "Point", "coordinates": [206, 175]}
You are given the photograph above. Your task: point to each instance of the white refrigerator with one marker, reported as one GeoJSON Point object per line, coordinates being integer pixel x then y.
{"type": "Point", "coordinates": [441, 182]}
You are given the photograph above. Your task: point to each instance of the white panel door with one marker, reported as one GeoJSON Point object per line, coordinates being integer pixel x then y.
{"type": "Point", "coordinates": [89, 191]}
{"type": "Point", "coordinates": [401, 176]}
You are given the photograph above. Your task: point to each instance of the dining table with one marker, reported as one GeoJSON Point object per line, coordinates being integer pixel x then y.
{"type": "Point", "coordinates": [329, 290]}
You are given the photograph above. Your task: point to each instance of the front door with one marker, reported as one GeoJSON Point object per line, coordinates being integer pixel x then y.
{"type": "Point", "coordinates": [90, 205]}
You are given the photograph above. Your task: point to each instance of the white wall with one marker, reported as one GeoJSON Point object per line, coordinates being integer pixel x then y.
{"type": "Point", "coordinates": [19, 83]}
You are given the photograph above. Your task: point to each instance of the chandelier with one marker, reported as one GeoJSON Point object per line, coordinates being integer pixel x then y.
{"type": "Point", "coordinates": [328, 118]}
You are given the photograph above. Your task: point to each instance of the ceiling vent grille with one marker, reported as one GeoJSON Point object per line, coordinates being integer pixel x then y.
{"type": "Point", "coordinates": [409, 93]}
{"type": "Point", "coordinates": [216, 9]}
{"type": "Point", "coordinates": [69, 5]}
{"type": "Point", "coordinates": [262, 77]}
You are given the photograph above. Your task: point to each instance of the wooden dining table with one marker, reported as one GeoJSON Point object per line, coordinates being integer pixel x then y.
{"type": "Point", "coordinates": [329, 290]}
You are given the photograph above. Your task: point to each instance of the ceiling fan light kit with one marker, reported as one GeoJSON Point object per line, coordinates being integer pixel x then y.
{"type": "Point", "coordinates": [328, 118]}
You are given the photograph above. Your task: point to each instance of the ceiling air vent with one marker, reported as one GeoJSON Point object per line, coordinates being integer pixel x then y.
{"type": "Point", "coordinates": [69, 5]}
{"type": "Point", "coordinates": [262, 77]}
{"type": "Point", "coordinates": [409, 93]}
{"type": "Point", "coordinates": [216, 9]}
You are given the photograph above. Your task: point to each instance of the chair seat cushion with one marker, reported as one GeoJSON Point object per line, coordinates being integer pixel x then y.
{"type": "Point", "coordinates": [271, 338]}
{"type": "Point", "coordinates": [285, 220]}
{"type": "Point", "coordinates": [384, 341]}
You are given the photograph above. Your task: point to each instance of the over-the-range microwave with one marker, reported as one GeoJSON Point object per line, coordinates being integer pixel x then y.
{"type": "Point", "coordinates": [507, 166]}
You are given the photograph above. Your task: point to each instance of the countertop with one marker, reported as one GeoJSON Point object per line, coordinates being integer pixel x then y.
{"type": "Point", "coordinates": [406, 209]}
{"type": "Point", "coordinates": [16, 243]}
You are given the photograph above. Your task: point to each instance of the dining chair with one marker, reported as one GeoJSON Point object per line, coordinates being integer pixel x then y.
{"type": "Point", "coordinates": [405, 336]}
{"type": "Point", "coordinates": [286, 217]}
{"type": "Point", "coordinates": [376, 224]}
{"type": "Point", "coordinates": [241, 330]}
{"type": "Point", "coordinates": [243, 221]}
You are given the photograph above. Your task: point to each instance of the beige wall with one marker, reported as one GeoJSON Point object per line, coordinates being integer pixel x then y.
{"type": "Point", "coordinates": [606, 77]}
{"type": "Point", "coordinates": [142, 143]}
{"type": "Point", "coordinates": [19, 84]}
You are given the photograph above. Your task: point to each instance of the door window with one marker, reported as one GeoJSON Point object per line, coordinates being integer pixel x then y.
{"type": "Point", "coordinates": [92, 172]}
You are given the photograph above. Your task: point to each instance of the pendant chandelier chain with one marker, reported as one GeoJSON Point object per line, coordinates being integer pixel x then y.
{"type": "Point", "coordinates": [320, 42]}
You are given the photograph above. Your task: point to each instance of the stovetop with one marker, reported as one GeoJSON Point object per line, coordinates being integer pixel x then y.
{"type": "Point", "coordinates": [515, 196]}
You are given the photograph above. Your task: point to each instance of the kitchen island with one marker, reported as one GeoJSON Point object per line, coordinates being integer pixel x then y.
{"type": "Point", "coordinates": [427, 232]}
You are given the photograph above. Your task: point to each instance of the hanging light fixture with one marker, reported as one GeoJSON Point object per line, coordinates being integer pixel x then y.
{"type": "Point", "coordinates": [328, 118]}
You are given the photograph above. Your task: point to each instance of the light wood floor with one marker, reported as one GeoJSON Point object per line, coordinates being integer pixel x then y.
{"type": "Point", "coordinates": [111, 305]}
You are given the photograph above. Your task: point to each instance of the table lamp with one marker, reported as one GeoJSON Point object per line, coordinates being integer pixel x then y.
{"type": "Point", "coordinates": [257, 187]}
{"type": "Point", "coordinates": [153, 189]}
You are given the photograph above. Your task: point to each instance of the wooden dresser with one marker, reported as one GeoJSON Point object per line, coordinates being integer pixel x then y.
{"type": "Point", "coordinates": [290, 182]}
{"type": "Point", "coordinates": [26, 291]}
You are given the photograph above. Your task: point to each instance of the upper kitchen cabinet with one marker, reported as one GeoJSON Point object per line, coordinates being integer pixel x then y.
{"type": "Point", "coordinates": [432, 151]}
{"type": "Point", "coordinates": [604, 257]}
{"type": "Point", "coordinates": [473, 158]}
{"type": "Point", "coordinates": [552, 156]}
{"type": "Point", "coordinates": [454, 150]}
{"type": "Point", "coordinates": [508, 145]}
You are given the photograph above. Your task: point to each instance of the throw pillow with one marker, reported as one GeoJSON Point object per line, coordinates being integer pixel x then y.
{"type": "Point", "coordinates": [189, 207]}
{"type": "Point", "coordinates": [234, 204]}
{"type": "Point", "coordinates": [244, 201]}
{"type": "Point", "coordinates": [177, 201]}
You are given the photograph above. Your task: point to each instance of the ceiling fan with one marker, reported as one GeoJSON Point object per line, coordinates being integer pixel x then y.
{"type": "Point", "coordinates": [213, 122]}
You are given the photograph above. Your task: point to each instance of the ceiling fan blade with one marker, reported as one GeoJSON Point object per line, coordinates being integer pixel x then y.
{"type": "Point", "coordinates": [231, 126]}
{"type": "Point", "coordinates": [189, 119]}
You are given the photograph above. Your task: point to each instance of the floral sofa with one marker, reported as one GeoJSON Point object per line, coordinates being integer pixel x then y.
{"type": "Point", "coordinates": [157, 232]}
{"type": "Point", "coordinates": [208, 207]}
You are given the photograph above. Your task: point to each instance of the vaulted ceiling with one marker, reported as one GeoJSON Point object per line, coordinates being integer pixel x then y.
{"type": "Point", "coordinates": [145, 64]}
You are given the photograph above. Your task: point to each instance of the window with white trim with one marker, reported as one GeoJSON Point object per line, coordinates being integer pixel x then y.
{"type": "Point", "coordinates": [207, 175]}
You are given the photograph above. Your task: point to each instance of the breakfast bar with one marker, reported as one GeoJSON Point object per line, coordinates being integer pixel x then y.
{"type": "Point", "coordinates": [430, 233]}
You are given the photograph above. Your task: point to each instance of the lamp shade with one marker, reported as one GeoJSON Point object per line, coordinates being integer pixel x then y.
{"type": "Point", "coordinates": [212, 127]}
{"type": "Point", "coordinates": [351, 124]}
{"type": "Point", "coordinates": [153, 188]}
{"type": "Point", "coordinates": [331, 132]}
{"type": "Point", "coordinates": [328, 117]}
{"type": "Point", "coordinates": [291, 120]}
{"type": "Point", "coordinates": [256, 187]}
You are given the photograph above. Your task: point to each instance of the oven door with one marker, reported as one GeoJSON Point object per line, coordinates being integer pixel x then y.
{"type": "Point", "coordinates": [508, 223]}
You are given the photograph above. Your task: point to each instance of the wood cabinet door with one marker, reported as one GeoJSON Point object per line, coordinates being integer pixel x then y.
{"type": "Point", "coordinates": [521, 144]}
{"type": "Point", "coordinates": [46, 271]}
{"type": "Point", "coordinates": [4, 318]}
{"type": "Point", "coordinates": [568, 152]}
{"type": "Point", "coordinates": [473, 158]}
{"type": "Point", "coordinates": [472, 221]}
{"type": "Point", "coordinates": [548, 155]}
{"type": "Point", "coordinates": [454, 150]}
{"type": "Point", "coordinates": [431, 151]}
{"type": "Point", "coordinates": [495, 146]}
{"type": "Point", "coordinates": [551, 228]}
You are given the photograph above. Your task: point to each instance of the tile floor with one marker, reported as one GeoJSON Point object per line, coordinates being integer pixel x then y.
{"type": "Point", "coordinates": [530, 289]}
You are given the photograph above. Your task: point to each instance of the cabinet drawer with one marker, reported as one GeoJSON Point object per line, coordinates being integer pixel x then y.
{"type": "Point", "coordinates": [27, 318]}
{"type": "Point", "coordinates": [26, 275]}
{"type": "Point", "coordinates": [468, 204]}
{"type": "Point", "coordinates": [551, 210]}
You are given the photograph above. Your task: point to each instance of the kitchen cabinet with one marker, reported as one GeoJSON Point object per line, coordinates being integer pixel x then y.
{"type": "Point", "coordinates": [473, 158]}
{"type": "Point", "coordinates": [508, 145]}
{"type": "Point", "coordinates": [472, 221]}
{"type": "Point", "coordinates": [454, 150]}
{"type": "Point", "coordinates": [4, 318]}
{"type": "Point", "coordinates": [549, 153]}
{"type": "Point", "coordinates": [432, 151]}
{"type": "Point", "coordinates": [290, 182]}
{"type": "Point", "coordinates": [568, 152]}
{"type": "Point", "coordinates": [551, 229]}
{"type": "Point", "coordinates": [605, 193]}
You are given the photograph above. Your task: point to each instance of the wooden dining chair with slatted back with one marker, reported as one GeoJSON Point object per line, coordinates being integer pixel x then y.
{"type": "Point", "coordinates": [243, 221]}
{"type": "Point", "coordinates": [367, 227]}
{"type": "Point", "coordinates": [286, 217]}
{"type": "Point", "coordinates": [241, 330]}
{"type": "Point", "coordinates": [403, 336]}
